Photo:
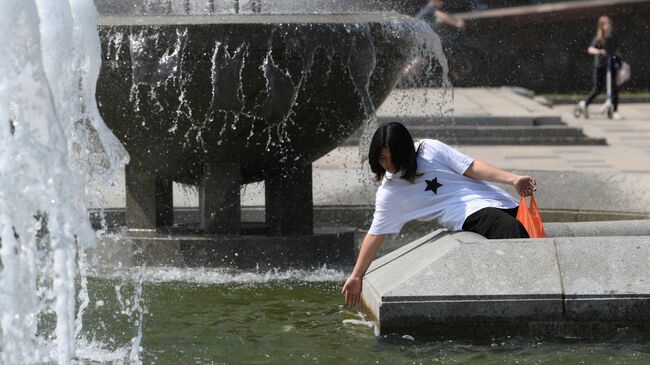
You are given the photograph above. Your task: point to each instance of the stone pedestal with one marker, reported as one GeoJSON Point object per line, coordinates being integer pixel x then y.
{"type": "Point", "coordinates": [149, 201]}
{"type": "Point", "coordinates": [219, 200]}
{"type": "Point", "coordinates": [286, 240]}
{"type": "Point", "coordinates": [289, 201]}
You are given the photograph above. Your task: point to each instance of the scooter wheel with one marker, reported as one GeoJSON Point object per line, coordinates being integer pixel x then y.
{"type": "Point", "coordinates": [577, 112]}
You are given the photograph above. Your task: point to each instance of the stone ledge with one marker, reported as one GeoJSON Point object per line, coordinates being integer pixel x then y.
{"type": "Point", "coordinates": [563, 286]}
{"type": "Point", "coordinates": [333, 247]}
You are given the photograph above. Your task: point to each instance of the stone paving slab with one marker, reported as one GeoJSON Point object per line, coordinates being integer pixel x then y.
{"type": "Point", "coordinates": [604, 266]}
{"type": "Point", "coordinates": [605, 277]}
{"type": "Point", "coordinates": [466, 102]}
{"type": "Point", "coordinates": [477, 120]}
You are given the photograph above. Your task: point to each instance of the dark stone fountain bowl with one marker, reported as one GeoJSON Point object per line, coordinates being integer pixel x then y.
{"type": "Point", "coordinates": [266, 92]}
{"type": "Point", "coordinates": [224, 100]}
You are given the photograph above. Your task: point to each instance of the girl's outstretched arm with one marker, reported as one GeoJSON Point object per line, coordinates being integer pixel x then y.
{"type": "Point", "coordinates": [352, 288]}
{"type": "Point", "coordinates": [481, 170]}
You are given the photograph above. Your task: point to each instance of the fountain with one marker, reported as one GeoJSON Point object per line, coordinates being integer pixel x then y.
{"type": "Point", "coordinates": [215, 101]}
{"type": "Point", "coordinates": [55, 147]}
{"type": "Point", "coordinates": [221, 100]}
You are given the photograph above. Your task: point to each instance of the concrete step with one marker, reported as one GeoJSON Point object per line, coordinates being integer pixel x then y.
{"type": "Point", "coordinates": [524, 141]}
{"type": "Point", "coordinates": [497, 135]}
{"type": "Point", "coordinates": [474, 120]}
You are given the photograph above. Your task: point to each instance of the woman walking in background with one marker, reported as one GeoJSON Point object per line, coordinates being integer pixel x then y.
{"type": "Point", "coordinates": [603, 46]}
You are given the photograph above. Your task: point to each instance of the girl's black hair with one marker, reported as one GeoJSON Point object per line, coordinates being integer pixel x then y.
{"type": "Point", "coordinates": [399, 142]}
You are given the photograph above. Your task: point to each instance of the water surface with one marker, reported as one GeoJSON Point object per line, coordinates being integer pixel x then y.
{"type": "Point", "coordinates": [295, 318]}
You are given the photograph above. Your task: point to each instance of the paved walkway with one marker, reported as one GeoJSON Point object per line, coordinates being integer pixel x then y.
{"type": "Point", "coordinates": [628, 148]}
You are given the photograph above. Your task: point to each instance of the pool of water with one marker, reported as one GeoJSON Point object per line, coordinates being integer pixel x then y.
{"type": "Point", "coordinates": [222, 317]}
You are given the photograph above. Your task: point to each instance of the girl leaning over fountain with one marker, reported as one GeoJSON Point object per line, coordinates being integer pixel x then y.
{"type": "Point", "coordinates": [429, 180]}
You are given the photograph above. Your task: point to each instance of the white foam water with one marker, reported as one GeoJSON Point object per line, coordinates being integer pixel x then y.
{"type": "Point", "coordinates": [96, 352]}
{"type": "Point", "coordinates": [54, 145]}
{"type": "Point", "coordinates": [219, 276]}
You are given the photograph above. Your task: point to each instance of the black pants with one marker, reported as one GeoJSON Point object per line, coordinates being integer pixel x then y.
{"type": "Point", "coordinates": [495, 223]}
{"type": "Point", "coordinates": [600, 85]}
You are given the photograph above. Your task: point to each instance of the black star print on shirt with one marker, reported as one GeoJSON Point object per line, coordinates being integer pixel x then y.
{"type": "Point", "coordinates": [433, 185]}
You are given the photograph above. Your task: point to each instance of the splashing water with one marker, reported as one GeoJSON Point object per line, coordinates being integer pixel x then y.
{"type": "Point", "coordinates": [55, 145]}
{"type": "Point", "coordinates": [210, 7]}
{"type": "Point", "coordinates": [425, 57]}
{"type": "Point", "coordinates": [152, 71]}
{"type": "Point", "coordinates": [218, 276]}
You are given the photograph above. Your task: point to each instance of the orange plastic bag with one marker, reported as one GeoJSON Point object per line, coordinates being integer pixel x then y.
{"type": "Point", "coordinates": [537, 218]}
{"type": "Point", "coordinates": [530, 218]}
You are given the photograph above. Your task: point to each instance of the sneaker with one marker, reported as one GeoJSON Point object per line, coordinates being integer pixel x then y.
{"type": "Point", "coordinates": [582, 105]}
{"type": "Point", "coordinates": [617, 116]}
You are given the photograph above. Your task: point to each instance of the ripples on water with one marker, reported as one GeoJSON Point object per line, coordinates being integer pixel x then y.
{"type": "Point", "coordinates": [204, 316]}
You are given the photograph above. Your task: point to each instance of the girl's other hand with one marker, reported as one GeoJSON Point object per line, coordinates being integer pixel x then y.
{"type": "Point", "coordinates": [525, 185]}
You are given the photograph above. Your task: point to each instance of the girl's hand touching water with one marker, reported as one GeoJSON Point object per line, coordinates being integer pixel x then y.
{"type": "Point", "coordinates": [352, 290]}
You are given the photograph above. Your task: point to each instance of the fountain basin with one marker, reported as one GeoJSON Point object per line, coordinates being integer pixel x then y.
{"type": "Point", "coordinates": [221, 101]}
{"type": "Point", "coordinates": [260, 90]}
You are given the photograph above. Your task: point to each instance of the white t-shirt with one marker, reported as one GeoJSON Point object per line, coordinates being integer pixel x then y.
{"type": "Point", "coordinates": [441, 192]}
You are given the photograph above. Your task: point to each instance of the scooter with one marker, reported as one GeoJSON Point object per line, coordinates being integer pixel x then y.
{"type": "Point", "coordinates": [608, 105]}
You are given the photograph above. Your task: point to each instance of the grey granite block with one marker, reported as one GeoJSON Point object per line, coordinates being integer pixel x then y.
{"type": "Point", "coordinates": [605, 278]}
{"type": "Point", "coordinates": [445, 279]}
{"type": "Point", "coordinates": [483, 269]}
{"type": "Point", "coordinates": [603, 266]}
{"type": "Point", "coordinates": [460, 284]}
